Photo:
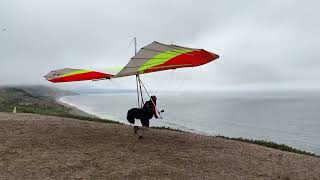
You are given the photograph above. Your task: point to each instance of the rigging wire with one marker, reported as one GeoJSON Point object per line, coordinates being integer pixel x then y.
{"type": "Point", "coordinates": [138, 91]}
{"type": "Point", "coordinates": [142, 101]}
{"type": "Point", "coordinates": [145, 89]}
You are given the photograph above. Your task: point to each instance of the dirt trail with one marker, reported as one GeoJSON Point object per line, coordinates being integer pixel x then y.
{"type": "Point", "coordinates": [42, 147]}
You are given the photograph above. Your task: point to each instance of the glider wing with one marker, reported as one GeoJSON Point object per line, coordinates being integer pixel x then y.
{"type": "Point", "coordinates": [158, 57]}
{"type": "Point", "coordinates": [68, 75]}
{"type": "Point", "coordinates": [151, 58]}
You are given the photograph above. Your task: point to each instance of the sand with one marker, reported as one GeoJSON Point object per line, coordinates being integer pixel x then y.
{"type": "Point", "coordinates": [44, 147]}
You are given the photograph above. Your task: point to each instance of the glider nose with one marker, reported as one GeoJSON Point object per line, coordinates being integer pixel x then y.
{"type": "Point", "coordinates": [207, 57]}
{"type": "Point", "coordinates": [215, 56]}
{"type": "Point", "coordinates": [211, 56]}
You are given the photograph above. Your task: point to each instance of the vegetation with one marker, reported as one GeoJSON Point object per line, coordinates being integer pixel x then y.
{"type": "Point", "coordinates": [88, 118]}
{"type": "Point", "coordinates": [269, 144]}
{"type": "Point", "coordinates": [39, 100]}
{"type": "Point", "coordinates": [26, 102]}
{"type": "Point", "coordinates": [170, 129]}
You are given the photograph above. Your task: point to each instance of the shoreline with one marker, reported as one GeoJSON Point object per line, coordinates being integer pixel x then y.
{"type": "Point", "coordinates": [80, 112]}
{"type": "Point", "coordinates": [75, 110]}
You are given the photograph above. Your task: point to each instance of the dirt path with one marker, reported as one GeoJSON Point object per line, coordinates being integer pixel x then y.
{"type": "Point", "coordinates": [42, 147]}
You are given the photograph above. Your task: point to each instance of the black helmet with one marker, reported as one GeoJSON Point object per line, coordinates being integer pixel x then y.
{"type": "Point", "coordinates": [154, 97]}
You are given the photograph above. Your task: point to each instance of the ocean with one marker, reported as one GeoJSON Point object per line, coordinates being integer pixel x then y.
{"type": "Point", "coordinates": [288, 117]}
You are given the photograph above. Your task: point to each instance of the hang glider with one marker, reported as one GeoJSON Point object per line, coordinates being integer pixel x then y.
{"type": "Point", "coordinates": [151, 58]}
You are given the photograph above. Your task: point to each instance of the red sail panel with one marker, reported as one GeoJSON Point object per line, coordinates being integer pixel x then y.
{"type": "Point", "coordinates": [82, 77]}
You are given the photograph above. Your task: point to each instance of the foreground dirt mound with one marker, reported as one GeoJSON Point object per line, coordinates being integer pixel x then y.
{"type": "Point", "coordinates": [42, 147]}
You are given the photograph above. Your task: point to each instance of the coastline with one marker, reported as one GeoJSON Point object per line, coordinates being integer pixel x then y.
{"type": "Point", "coordinates": [75, 110]}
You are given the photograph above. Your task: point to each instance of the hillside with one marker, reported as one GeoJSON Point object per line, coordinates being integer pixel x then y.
{"type": "Point", "coordinates": [37, 90]}
{"type": "Point", "coordinates": [35, 99]}
{"type": "Point", "coordinates": [47, 147]}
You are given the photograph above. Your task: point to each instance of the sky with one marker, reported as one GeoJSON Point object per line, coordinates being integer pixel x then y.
{"type": "Point", "coordinates": [262, 44]}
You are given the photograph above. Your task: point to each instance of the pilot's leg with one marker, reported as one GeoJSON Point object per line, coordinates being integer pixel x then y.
{"type": "Point", "coordinates": [145, 124]}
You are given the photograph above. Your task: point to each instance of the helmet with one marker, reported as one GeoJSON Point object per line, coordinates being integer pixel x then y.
{"type": "Point", "coordinates": [154, 97]}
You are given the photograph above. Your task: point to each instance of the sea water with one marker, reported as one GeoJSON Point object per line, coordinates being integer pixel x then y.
{"type": "Point", "coordinates": [289, 117]}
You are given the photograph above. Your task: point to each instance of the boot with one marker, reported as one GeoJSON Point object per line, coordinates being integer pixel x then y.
{"type": "Point", "coordinates": [140, 133]}
{"type": "Point", "coordinates": [135, 129]}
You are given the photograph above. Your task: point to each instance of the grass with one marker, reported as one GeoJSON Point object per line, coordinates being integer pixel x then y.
{"type": "Point", "coordinates": [169, 128]}
{"type": "Point", "coordinates": [89, 119]}
{"type": "Point", "coordinates": [269, 144]}
{"type": "Point", "coordinates": [27, 102]}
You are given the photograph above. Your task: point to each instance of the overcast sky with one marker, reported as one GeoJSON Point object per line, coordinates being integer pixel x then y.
{"type": "Point", "coordinates": [262, 44]}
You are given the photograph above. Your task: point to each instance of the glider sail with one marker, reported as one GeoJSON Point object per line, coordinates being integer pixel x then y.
{"type": "Point", "coordinates": [158, 57]}
{"type": "Point", "coordinates": [68, 75]}
{"type": "Point", "coordinates": [151, 58]}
